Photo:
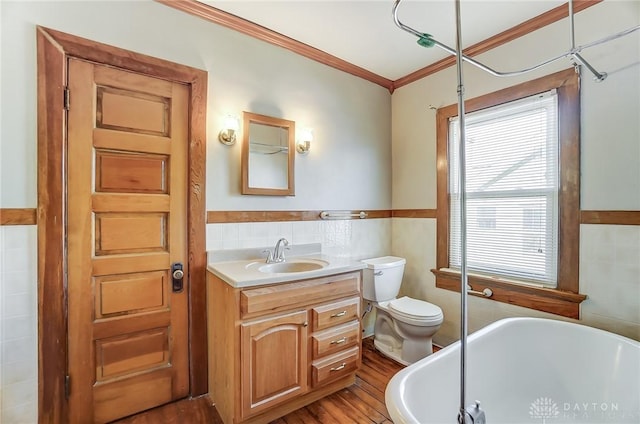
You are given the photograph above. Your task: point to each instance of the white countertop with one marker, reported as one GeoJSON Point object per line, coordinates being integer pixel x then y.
{"type": "Point", "coordinates": [244, 272]}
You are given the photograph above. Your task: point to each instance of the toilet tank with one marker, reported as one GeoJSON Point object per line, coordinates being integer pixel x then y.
{"type": "Point", "coordinates": [382, 278]}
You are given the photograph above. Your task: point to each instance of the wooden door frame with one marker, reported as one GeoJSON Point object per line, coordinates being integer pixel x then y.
{"type": "Point", "coordinates": [54, 50]}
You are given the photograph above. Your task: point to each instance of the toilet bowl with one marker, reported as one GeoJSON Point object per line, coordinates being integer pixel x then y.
{"type": "Point", "coordinates": [404, 326]}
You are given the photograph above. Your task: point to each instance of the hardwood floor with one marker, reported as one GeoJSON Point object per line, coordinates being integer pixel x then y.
{"type": "Point", "coordinates": [187, 411]}
{"type": "Point", "coordinates": [362, 402]}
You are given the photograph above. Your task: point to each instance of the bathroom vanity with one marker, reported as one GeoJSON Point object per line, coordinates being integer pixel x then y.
{"type": "Point", "coordinates": [281, 340]}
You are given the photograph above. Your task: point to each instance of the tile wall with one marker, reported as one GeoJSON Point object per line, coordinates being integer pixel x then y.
{"type": "Point", "coordinates": [18, 325]}
{"type": "Point", "coordinates": [357, 239]}
{"type": "Point", "coordinates": [609, 276]}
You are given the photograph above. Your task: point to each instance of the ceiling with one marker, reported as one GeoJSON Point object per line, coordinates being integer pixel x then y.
{"type": "Point", "coordinates": [363, 33]}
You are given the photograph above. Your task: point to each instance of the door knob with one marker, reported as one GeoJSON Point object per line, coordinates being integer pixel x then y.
{"type": "Point", "coordinates": [177, 274]}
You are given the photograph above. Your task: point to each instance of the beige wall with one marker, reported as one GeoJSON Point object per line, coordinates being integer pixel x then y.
{"type": "Point", "coordinates": [347, 168]}
{"type": "Point", "coordinates": [610, 160]}
{"type": "Point", "coordinates": [350, 116]}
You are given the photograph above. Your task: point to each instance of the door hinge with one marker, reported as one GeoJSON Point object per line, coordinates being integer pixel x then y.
{"type": "Point", "coordinates": [67, 98]}
{"type": "Point", "coordinates": [67, 386]}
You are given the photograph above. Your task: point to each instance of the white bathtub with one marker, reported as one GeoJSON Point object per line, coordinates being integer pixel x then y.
{"type": "Point", "coordinates": [526, 370]}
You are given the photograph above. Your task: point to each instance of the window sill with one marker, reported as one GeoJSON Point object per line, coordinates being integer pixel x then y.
{"type": "Point", "coordinates": [543, 299]}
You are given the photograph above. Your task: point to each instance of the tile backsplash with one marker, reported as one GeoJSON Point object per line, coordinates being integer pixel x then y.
{"type": "Point", "coordinates": [346, 238]}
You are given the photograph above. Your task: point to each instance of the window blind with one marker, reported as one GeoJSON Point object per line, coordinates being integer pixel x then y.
{"type": "Point", "coordinates": [512, 190]}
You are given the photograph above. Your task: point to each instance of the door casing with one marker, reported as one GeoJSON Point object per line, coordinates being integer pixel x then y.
{"type": "Point", "coordinates": [54, 48]}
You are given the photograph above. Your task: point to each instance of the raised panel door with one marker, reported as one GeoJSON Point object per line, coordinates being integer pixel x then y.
{"type": "Point", "coordinates": [126, 225]}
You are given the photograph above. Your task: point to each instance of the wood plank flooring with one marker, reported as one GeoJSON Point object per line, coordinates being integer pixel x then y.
{"type": "Point", "coordinates": [362, 402]}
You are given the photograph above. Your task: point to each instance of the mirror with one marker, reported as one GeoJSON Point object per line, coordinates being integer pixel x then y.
{"type": "Point", "coordinates": [268, 153]}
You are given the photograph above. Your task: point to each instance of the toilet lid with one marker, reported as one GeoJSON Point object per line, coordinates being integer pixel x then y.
{"type": "Point", "coordinates": [415, 308]}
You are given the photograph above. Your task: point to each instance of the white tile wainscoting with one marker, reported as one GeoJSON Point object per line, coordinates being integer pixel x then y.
{"type": "Point", "coordinates": [18, 325]}
{"type": "Point", "coordinates": [609, 276]}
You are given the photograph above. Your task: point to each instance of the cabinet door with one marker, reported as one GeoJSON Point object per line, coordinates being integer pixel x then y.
{"type": "Point", "coordinates": [274, 361]}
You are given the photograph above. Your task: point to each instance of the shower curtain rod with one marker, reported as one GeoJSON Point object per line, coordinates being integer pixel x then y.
{"type": "Point", "coordinates": [427, 40]}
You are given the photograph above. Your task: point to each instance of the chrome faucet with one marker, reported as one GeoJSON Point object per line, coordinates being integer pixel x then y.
{"type": "Point", "coordinates": [277, 255]}
{"type": "Point", "coordinates": [278, 251]}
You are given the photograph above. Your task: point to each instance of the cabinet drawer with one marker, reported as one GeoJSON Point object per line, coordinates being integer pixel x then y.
{"type": "Point", "coordinates": [335, 366]}
{"type": "Point", "coordinates": [285, 296]}
{"type": "Point", "coordinates": [335, 313]}
{"type": "Point", "coordinates": [336, 339]}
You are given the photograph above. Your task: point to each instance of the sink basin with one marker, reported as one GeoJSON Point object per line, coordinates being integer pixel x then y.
{"type": "Point", "coordinates": [253, 270]}
{"type": "Point", "coordinates": [293, 266]}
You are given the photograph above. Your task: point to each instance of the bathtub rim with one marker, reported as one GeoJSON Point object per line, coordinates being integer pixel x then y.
{"type": "Point", "coordinates": [398, 381]}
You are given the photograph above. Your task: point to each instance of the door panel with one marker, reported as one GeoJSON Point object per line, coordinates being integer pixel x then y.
{"type": "Point", "coordinates": [125, 173]}
{"type": "Point", "coordinates": [131, 111]}
{"type": "Point", "coordinates": [127, 191]}
{"type": "Point", "coordinates": [135, 352]}
{"type": "Point", "coordinates": [131, 292]}
{"type": "Point", "coordinates": [117, 233]}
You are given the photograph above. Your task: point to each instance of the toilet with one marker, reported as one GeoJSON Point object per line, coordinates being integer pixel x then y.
{"type": "Point", "coordinates": [404, 326]}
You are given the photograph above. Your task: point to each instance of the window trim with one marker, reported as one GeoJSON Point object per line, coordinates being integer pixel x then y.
{"type": "Point", "coordinates": [564, 299]}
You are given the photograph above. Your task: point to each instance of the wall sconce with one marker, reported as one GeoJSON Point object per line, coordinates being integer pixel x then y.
{"type": "Point", "coordinates": [227, 135]}
{"type": "Point", "coordinates": [304, 141]}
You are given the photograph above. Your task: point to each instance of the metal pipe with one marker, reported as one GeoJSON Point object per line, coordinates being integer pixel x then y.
{"type": "Point", "coordinates": [607, 38]}
{"type": "Point", "coordinates": [573, 53]}
{"type": "Point", "coordinates": [598, 76]}
{"type": "Point", "coordinates": [571, 30]}
{"type": "Point", "coordinates": [462, 196]}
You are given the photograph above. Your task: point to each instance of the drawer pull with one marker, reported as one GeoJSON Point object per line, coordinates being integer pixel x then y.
{"type": "Point", "coordinates": [305, 324]}
{"type": "Point", "coordinates": [342, 340]}
{"type": "Point", "coordinates": [339, 314]}
{"type": "Point", "coordinates": [344, 364]}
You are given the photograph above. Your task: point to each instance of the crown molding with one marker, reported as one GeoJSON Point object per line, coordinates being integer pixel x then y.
{"type": "Point", "coordinates": [244, 26]}
{"type": "Point", "coordinates": [220, 17]}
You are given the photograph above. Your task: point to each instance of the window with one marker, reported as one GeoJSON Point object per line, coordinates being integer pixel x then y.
{"type": "Point", "coordinates": [522, 194]}
{"type": "Point", "coordinates": [512, 190]}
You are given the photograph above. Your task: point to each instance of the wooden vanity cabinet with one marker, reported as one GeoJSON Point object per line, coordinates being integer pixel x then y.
{"type": "Point", "coordinates": [276, 348]}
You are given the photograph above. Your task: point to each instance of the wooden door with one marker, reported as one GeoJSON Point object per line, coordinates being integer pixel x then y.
{"type": "Point", "coordinates": [274, 364]}
{"type": "Point", "coordinates": [126, 209]}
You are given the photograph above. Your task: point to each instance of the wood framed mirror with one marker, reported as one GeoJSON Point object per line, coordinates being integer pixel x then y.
{"type": "Point", "coordinates": [268, 155]}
